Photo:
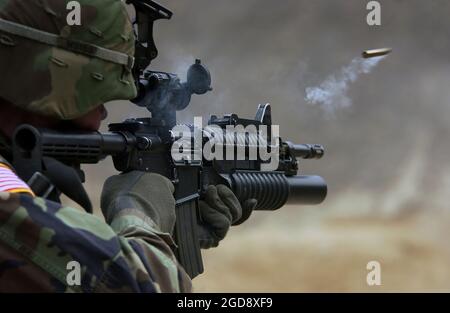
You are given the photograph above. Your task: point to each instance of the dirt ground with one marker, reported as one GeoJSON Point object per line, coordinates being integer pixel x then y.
{"type": "Point", "coordinates": [330, 254]}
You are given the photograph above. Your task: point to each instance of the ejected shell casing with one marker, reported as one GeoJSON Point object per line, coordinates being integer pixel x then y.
{"type": "Point", "coordinates": [376, 53]}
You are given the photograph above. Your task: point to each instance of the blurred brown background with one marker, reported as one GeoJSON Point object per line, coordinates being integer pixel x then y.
{"type": "Point", "coordinates": [386, 156]}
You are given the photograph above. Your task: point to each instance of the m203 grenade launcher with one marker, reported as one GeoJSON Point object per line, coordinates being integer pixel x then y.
{"type": "Point", "coordinates": [51, 160]}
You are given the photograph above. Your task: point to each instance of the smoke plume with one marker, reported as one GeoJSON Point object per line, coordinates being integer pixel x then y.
{"type": "Point", "coordinates": [371, 146]}
{"type": "Point", "coordinates": [332, 94]}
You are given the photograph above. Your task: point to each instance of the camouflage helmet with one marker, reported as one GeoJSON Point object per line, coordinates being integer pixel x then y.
{"type": "Point", "coordinates": [53, 69]}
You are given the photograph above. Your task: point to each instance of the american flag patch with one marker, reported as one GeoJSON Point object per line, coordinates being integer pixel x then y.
{"type": "Point", "coordinates": [10, 182]}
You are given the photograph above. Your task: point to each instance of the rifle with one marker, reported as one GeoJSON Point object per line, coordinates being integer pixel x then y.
{"type": "Point", "coordinates": [50, 161]}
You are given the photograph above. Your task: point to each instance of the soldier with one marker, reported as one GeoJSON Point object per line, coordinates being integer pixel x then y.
{"type": "Point", "coordinates": [47, 81]}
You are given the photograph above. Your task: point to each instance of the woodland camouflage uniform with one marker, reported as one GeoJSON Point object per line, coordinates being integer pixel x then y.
{"type": "Point", "coordinates": [67, 79]}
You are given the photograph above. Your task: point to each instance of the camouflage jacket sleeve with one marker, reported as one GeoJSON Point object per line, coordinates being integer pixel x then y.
{"type": "Point", "coordinates": [39, 240]}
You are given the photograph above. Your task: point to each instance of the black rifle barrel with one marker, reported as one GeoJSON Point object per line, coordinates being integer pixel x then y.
{"type": "Point", "coordinates": [306, 151]}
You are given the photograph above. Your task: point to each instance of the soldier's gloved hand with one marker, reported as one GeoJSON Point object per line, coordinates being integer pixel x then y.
{"type": "Point", "coordinates": [218, 211]}
{"type": "Point", "coordinates": [149, 193]}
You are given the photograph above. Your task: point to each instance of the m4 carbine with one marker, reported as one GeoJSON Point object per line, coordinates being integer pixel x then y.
{"type": "Point", "coordinates": [43, 157]}
{"type": "Point", "coordinates": [50, 161]}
